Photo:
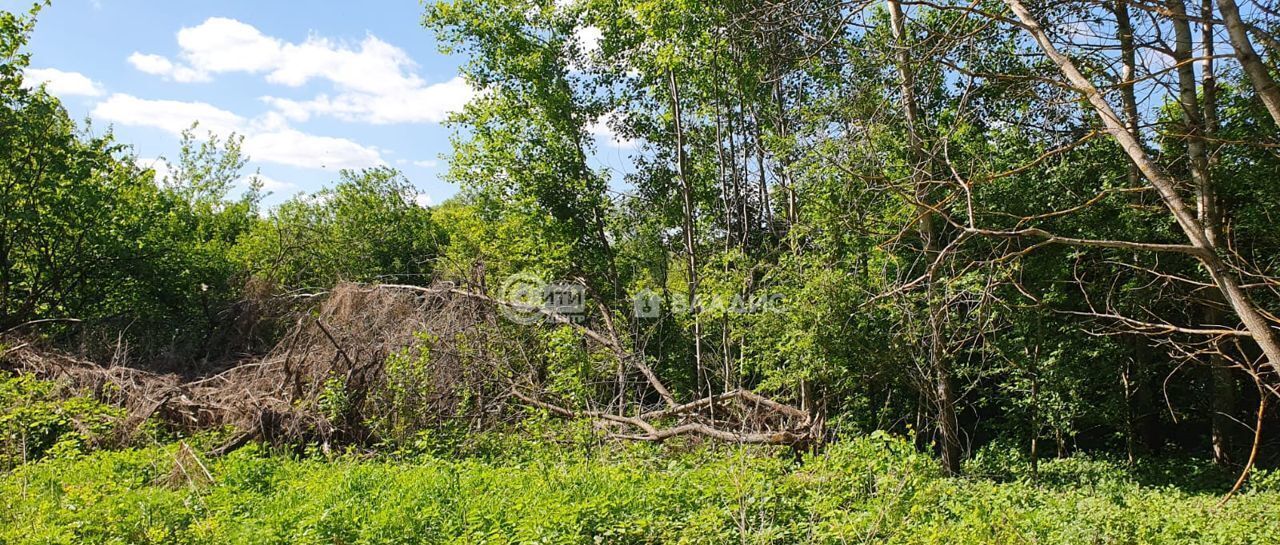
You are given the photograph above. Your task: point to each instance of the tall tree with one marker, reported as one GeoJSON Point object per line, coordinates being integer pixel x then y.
{"type": "Point", "coordinates": [921, 174]}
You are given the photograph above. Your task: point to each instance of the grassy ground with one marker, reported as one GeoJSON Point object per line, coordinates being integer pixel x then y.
{"type": "Point", "coordinates": [871, 490]}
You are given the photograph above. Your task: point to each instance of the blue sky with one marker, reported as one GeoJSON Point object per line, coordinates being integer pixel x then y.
{"type": "Point", "coordinates": [313, 88]}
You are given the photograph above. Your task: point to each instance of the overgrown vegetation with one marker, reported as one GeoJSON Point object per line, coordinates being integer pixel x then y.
{"type": "Point", "coordinates": [876, 489]}
{"type": "Point", "coordinates": [38, 420]}
{"type": "Point", "coordinates": [877, 272]}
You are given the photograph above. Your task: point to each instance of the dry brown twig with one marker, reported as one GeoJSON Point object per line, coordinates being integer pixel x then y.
{"type": "Point", "coordinates": [346, 337]}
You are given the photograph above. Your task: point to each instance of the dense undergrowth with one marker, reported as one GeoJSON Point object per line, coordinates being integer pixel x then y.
{"type": "Point", "coordinates": [549, 482]}
{"type": "Point", "coordinates": [869, 490]}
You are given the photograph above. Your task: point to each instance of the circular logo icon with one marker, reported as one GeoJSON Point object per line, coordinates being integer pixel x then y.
{"type": "Point", "coordinates": [522, 296]}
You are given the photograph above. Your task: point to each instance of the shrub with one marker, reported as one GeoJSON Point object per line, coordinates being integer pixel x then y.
{"type": "Point", "coordinates": [39, 420]}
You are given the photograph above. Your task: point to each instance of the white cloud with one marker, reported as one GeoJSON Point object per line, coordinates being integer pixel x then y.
{"type": "Point", "coordinates": [216, 45]}
{"type": "Point", "coordinates": [423, 200]}
{"type": "Point", "coordinates": [299, 149]}
{"type": "Point", "coordinates": [377, 67]}
{"type": "Point", "coordinates": [291, 109]}
{"type": "Point", "coordinates": [168, 115]}
{"type": "Point", "coordinates": [160, 66]}
{"type": "Point", "coordinates": [151, 64]}
{"type": "Point", "coordinates": [588, 38]}
{"type": "Point", "coordinates": [374, 82]}
{"type": "Point", "coordinates": [62, 83]}
{"type": "Point", "coordinates": [220, 44]}
{"type": "Point", "coordinates": [428, 163]}
{"type": "Point", "coordinates": [266, 139]}
{"type": "Point", "coordinates": [603, 129]}
{"type": "Point", "coordinates": [430, 104]}
{"type": "Point", "coordinates": [1155, 61]}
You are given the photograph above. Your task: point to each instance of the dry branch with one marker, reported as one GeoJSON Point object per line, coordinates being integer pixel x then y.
{"type": "Point", "coordinates": [348, 334]}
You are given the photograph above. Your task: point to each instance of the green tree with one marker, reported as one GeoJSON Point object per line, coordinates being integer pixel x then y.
{"type": "Point", "coordinates": [368, 227]}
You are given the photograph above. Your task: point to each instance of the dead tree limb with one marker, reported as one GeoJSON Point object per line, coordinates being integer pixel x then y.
{"type": "Point", "coordinates": [1205, 250]}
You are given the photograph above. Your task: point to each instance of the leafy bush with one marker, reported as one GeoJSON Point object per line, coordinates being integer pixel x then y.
{"type": "Point", "coordinates": [91, 235]}
{"type": "Point", "coordinates": [38, 420]}
{"type": "Point", "coordinates": [367, 227]}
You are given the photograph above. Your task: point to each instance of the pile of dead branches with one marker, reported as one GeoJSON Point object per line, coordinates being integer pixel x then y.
{"type": "Point", "coordinates": [364, 361]}
{"type": "Point", "coordinates": [335, 350]}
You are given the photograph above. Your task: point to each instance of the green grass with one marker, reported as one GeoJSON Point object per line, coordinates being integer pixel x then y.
{"type": "Point", "coordinates": [871, 490]}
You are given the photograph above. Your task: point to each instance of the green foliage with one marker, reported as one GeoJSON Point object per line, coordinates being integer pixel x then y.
{"type": "Point", "coordinates": [367, 227]}
{"type": "Point", "coordinates": [488, 242]}
{"type": "Point", "coordinates": [528, 145]}
{"type": "Point", "coordinates": [875, 489]}
{"type": "Point", "coordinates": [188, 274]}
{"type": "Point", "coordinates": [770, 164]}
{"type": "Point", "coordinates": [404, 402]}
{"type": "Point", "coordinates": [779, 184]}
{"type": "Point", "coordinates": [74, 211]}
{"type": "Point", "coordinates": [571, 365]}
{"type": "Point", "coordinates": [333, 399]}
{"type": "Point", "coordinates": [85, 233]}
{"type": "Point", "coordinates": [40, 420]}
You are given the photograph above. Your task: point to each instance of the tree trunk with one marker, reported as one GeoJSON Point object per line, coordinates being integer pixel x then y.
{"type": "Point", "coordinates": [1128, 73]}
{"type": "Point", "coordinates": [1259, 77]}
{"type": "Point", "coordinates": [1141, 435]}
{"type": "Point", "coordinates": [1035, 427]}
{"type": "Point", "coordinates": [1201, 246]}
{"type": "Point", "coordinates": [1223, 383]}
{"type": "Point", "coordinates": [686, 192]}
{"type": "Point", "coordinates": [944, 391]}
